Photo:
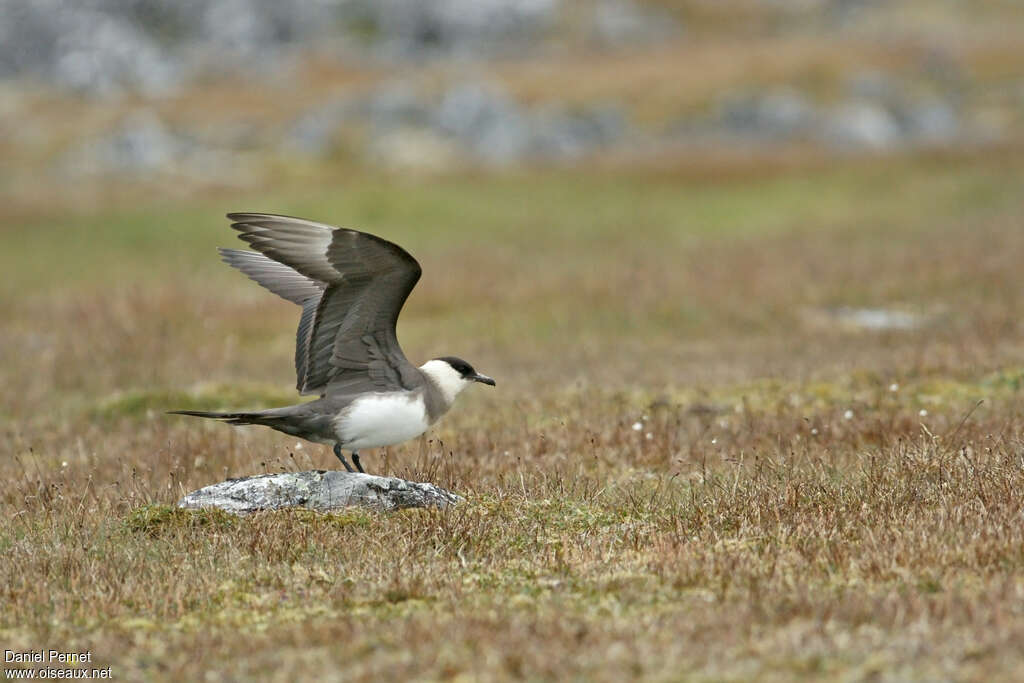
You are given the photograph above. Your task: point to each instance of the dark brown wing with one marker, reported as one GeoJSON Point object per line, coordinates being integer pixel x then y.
{"type": "Point", "coordinates": [346, 342]}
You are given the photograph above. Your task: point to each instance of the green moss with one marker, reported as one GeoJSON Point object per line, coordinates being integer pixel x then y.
{"type": "Point", "coordinates": [1009, 379]}
{"type": "Point", "coordinates": [340, 519]}
{"type": "Point", "coordinates": [157, 520]}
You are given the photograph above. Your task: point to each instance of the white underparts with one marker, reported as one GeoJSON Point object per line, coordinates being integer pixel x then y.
{"type": "Point", "coordinates": [381, 420]}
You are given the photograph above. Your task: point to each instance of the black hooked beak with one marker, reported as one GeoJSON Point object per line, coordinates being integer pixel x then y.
{"type": "Point", "coordinates": [483, 379]}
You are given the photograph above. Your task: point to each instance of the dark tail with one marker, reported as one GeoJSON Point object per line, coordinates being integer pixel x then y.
{"type": "Point", "coordinates": [290, 420]}
{"type": "Point", "coordinates": [232, 418]}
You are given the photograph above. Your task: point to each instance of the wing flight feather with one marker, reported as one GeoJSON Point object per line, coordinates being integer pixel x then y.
{"type": "Point", "coordinates": [352, 286]}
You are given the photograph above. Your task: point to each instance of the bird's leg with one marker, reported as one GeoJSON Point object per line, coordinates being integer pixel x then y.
{"type": "Point", "coordinates": [337, 452]}
{"type": "Point", "coordinates": [355, 459]}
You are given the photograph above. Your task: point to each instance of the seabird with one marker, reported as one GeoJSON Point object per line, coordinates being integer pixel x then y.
{"type": "Point", "coordinates": [351, 286]}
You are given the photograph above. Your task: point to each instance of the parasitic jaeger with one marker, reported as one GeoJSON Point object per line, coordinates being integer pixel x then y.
{"type": "Point", "coordinates": [351, 286]}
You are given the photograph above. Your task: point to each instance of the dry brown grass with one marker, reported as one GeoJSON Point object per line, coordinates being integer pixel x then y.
{"type": "Point", "coordinates": [791, 515]}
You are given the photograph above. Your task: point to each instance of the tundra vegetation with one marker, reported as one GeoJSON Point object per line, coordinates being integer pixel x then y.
{"type": "Point", "coordinates": [751, 287]}
{"type": "Point", "coordinates": [699, 462]}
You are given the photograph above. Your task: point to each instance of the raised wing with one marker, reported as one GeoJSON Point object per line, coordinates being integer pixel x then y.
{"type": "Point", "coordinates": [346, 341]}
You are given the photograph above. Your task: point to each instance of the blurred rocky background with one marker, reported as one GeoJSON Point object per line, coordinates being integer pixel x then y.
{"type": "Point", "coordinates": [102, 93]}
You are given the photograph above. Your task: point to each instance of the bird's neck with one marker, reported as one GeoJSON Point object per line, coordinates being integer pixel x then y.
{"type": "Point", "coordinates": [445, 382]}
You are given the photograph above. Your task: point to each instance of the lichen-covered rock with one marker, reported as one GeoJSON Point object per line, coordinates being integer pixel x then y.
{"type": "Point", "coordinates": [317, 490]}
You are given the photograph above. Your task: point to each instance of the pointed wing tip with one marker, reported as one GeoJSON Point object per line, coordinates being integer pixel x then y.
{"type": "Point", "coordinates": [240, 220]}
{"type": "Point", "coordinates": [249, 221]}
{"type": "Point", "coordinates": [246, 216]}
{"type": "Point", "coordinates": [231, 256]}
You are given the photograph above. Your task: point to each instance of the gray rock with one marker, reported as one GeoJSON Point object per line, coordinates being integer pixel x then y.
{"type": "Point", "coordinates": [412, 149]}
{"type": "Point", "coordinates": [411, 28]}
{"type": "Point", "coordinates": [933, 122]}
{"type": "Point", "coordinates": [486, 121]}
{"type": "Point", "coordinates": [875, 319]}
{"type": "Point", "coordinates": [238, 26]}
{"type": "Point", "coordinates": [88, 47]}
{"type": "Point", "coordinates": [877, 86]}
{"type": "Point", "coordinates": [141, 143]}
{"type": "Point", "coordinates": [473, 121]}
{"type": "Point", "coordinates": [925, 121]}
{"type": "Point", "coordinates": [777, 114]}
{"type": "Point", "coordinates": [879, 116]}
{"type": "Point", "coordinates": [105, 47]}
{"type": "Point", "coordinates": [317, 490]}
{"type": "Point", "coordinates": [560, 134]}
{"type": "Point", "coordinates": [785, 112]}
{"type": "Point", "coordinates": [862, 125]}
{"type": "Point", "coordinates": [617, 23]}
{"type": "Point", "coordinates": [313, 133]}
{"type": "Point", "coordinates": [397, 105]}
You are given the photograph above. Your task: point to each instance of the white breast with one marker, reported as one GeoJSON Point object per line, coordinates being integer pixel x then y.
{"type": "Point", "coordinates": [381, 420]}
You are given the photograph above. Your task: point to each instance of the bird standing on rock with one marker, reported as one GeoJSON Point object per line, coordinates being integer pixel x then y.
{"type": "Point", "coordinates": [351, 286]}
